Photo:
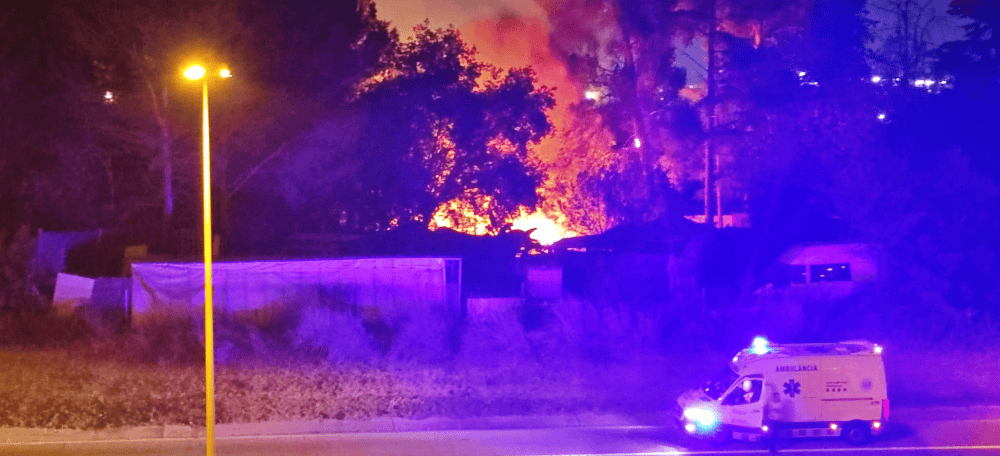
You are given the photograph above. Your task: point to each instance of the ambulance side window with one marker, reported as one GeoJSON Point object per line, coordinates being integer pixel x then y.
{"type": "Point", "coordinates": [747, 391]}
{"type": "Point", "coordinates": [756, 390]}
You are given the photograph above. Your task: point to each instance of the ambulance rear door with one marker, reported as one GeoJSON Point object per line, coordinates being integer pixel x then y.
{"type": "Point", "coordinates": [853, 389]}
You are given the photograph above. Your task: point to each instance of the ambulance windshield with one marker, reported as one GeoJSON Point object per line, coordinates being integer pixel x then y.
{"type": "Point", "coordinates": [719, 383]}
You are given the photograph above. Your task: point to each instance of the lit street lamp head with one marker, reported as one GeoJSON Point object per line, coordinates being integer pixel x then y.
{"type": "Point", "coordinates": [194, 72]}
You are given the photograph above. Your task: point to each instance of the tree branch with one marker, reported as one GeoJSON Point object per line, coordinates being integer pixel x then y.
{"type": "Point", "coordinates": [246, 177]}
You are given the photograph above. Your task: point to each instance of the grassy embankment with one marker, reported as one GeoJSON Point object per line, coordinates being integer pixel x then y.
{"type": "Point", "coordinates": [55, 389]}
{"type": "Point", "coordinates": [59, 389]}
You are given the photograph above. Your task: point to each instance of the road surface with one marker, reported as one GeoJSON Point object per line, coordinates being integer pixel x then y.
{"type": "Point", "coordinates": [946, 437]}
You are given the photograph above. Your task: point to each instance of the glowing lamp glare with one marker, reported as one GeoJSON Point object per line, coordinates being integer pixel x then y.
{"type": "Point", "coordinates": [194, 72]}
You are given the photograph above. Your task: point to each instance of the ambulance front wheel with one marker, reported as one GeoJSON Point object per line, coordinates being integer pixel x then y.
{"type": "Point", "coordinates": [856, 433]}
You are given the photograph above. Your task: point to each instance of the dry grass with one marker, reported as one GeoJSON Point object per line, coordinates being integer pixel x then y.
{"type": "Point", "coordinates": [154, 376]}
{"type": "Point", "coordinates": [60, 389]}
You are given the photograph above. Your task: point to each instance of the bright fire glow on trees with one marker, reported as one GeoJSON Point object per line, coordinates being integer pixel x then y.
{"type": "Point", "coordinates": [460, 216]}
{"type": "Point", "coordinates": [547, 231]}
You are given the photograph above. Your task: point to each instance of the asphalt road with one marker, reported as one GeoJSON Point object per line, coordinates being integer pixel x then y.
{"type": "Point", "coordinates": [946, 437]}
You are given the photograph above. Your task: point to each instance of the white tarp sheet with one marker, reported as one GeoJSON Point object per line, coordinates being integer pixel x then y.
{"type": "Point", "coordinates": [72, 291]}
{"type": "Point", "coordinates": [391, 284]}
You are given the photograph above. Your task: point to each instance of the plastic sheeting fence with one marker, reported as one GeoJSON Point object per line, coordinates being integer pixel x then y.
{"type": "Point", "coordinates": [393, 285]}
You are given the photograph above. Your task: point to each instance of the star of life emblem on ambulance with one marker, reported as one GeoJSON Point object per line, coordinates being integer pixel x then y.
{"type": "Point", "coordinates": [792, 388]}
{"type": "Point", "coordinates": [866, 384]}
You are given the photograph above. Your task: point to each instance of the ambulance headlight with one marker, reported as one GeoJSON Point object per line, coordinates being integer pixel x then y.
{"type": "Point", "coordinates": [702, 417]}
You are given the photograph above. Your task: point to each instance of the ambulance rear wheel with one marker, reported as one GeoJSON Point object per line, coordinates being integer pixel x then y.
{"type": "Point", "coordinates": [856, 433]}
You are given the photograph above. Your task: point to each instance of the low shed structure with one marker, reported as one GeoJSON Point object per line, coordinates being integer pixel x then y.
{"type": "Point", "coordinates": [391, 285]}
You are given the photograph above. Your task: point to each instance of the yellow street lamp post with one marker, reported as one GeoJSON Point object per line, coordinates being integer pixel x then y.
{"type": "Point", "coordinates": [195, 73]}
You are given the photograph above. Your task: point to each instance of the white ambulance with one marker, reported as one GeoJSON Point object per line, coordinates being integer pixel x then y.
{"type": "Point", "coordinates": [792, 390]}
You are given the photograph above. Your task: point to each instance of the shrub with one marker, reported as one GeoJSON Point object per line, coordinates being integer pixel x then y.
{"type": "Point", "coordinates": [339, 336]}
{"type": "Point", "coordinates": [42, 329]}
{"type": "Point", "coordinates": [424, 337]}
{"type": "Point", "coordinates": [163, 342]}
{"type": "Point", "coordinates": [559, 338]}
{"type": "Point", "coordinates": [259, 335]}
{"type": "Point", "coordinates": [496, 338]}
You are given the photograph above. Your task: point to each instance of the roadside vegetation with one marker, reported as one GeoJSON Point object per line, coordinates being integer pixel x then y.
{"type": "Point", "coordinates": [89, 379]}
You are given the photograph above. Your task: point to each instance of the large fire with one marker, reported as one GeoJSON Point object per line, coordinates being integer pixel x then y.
{"type": "Point", "coordinates": [542, 227]}
{"type": "Point", "coordinates": [512, 41]}
{"type": "Point", "coordinates": [514, 34]}
{"type": "Point", "coordinates": [546, 231]}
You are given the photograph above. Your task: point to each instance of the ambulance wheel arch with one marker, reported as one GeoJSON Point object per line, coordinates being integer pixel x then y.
{"type": "Point", "coordinates": [856, 432]}
{"type": "Point", "coordinates": [721, 436]}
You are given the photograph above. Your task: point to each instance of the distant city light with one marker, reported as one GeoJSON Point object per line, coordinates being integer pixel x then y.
{"type": "Point", "coordinates": [109, 97]}
{"type": "Point", "coordinates": [876, 79]}
{"type": "Point", "coordinates": [637, 142]}
{"type": "Point", "coordinates": [225, 73]}
{"type": "Point", "coordinates": [592, 95]}
{"type": "Point", "coordinates": [802, 74]}
{"type": "Point", "coordinates": [919, 82]}
{"type": "Point", "coordinates": [881, 116]}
